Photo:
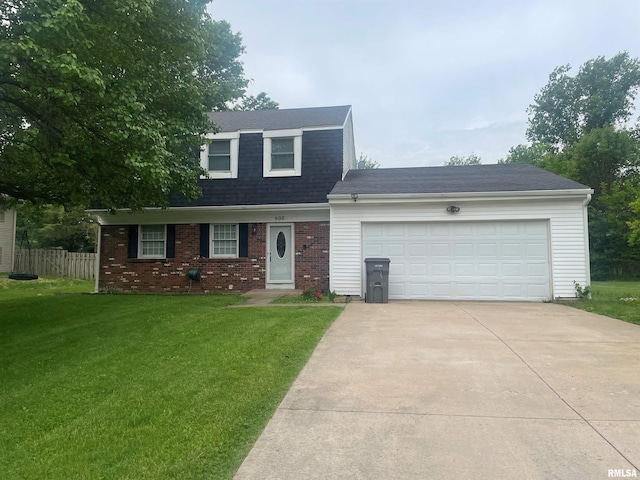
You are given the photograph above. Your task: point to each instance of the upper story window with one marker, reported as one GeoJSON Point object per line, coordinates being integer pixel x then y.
{"type": "Point", "coordinates": [282, 153]}
{"type": "Point", "coordinates": [152, 241]}
{"type": "Point", "coordinates": [220, 156]}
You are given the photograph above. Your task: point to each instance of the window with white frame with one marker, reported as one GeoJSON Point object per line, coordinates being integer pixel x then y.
{"type": "Point", "coordinates": [282, 153]}
{"type": "Point", "coordinates": [152, 241]}
{"type": "Point", "coordinates": [224, 240]}
{"type": "Point", "coordinates": [220, 156]}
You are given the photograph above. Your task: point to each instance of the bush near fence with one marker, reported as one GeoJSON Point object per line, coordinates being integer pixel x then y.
{"type": "Point", "coordinates": [60, 263]}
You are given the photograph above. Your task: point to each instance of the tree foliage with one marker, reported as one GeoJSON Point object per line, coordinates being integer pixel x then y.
{"type": "Point", "coordinates": [51, 226]}
{"type": "Point", "coordinates": [578, 129]}
{"type": "Point", "coordinates": [259, 102]}
{"type": "Point", "coordinates": [531, 154]}
{"type": "Point", "coordinates": [601, 94]}
{"type": "Point", "coordinates": [368, 162]}
{"type": "Point", "coordinates": [106, 101]}
{"type": "Point", "coordinates": [457, 161]}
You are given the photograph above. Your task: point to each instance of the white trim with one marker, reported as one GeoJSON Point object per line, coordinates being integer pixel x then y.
{"type": "Point", "coordinates": [290, 248]}
{"type": "Point", "coordinates": [459, 196]}
{"type": "Point", "coordinates": [212, 240]}
{"type": "Point", "coordinates": [296, 171]}
{"type": "Point", "coordinates": [164, 253]}
{"type": "Point", "coordinates": [233, 138]}
{"type": "Point", "coordinates": [310, 212]}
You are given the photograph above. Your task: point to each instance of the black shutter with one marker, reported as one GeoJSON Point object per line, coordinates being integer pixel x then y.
{"type": "Point", "coordinates": [133, 241]}
{"type": "Point", "coordinates": [204, 240]}
{"type": "Point", "coordinates": [171, 241]}
{"type": "Point", "coordinates": [243, 247]}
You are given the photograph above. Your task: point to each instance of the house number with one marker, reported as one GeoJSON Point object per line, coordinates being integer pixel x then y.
{"type": "Point", "coordinates": [279, 218]}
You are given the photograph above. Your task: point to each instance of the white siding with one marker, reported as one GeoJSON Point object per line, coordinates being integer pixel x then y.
{"type": "Point", "coordinates": [567, 235]}
{"type": "Point", "coordinates": [348, 146]}
{"type": "Point", "coordinates": [7, 239]}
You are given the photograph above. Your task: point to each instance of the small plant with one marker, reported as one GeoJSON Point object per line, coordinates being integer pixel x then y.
{"type": "Point", "coordinates": [110, 289]}
{"type": "Point", "coordinates": [332, 295]}
{"type": "Point", "coordinates": [310, 292]}
{"type": "Point", "coordinates": [583, 293]}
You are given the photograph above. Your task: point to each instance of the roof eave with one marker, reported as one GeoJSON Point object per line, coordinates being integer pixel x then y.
{"type": "Point", "coordinates": [435, 197]}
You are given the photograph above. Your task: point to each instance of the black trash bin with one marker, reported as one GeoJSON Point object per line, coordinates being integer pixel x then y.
{"type": "Point", "coordinates": [377, 280]}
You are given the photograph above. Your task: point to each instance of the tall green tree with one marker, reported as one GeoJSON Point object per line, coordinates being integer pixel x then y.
{"type": "Point", "coordinates": [601, 94]}
{"type": "Point", "coordinates": [584, 121]}
{"type": "Point", "coordinates": [106, 101]}
{"type": "Point", "coordinates": [457, 160]}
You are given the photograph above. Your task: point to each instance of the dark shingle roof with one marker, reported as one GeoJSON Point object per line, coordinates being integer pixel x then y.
{"type": "Point", "coordinates": [513, 177]}
{"type": "Point", "coordinates": [281, 119]}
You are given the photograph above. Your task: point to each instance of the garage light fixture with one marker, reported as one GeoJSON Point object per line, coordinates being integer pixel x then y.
{"type": "Point", "coordinates": [453, 209]}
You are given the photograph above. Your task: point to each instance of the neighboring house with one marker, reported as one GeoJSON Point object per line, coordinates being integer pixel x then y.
{"type": "Point", "coordinates": [484, 232]}
{"type": "Point", "coordinates": [262, 220]}
{"type": "Point", "coordinates": [285, 207]}
{"type": "Point", "coordinates": [7, 239]}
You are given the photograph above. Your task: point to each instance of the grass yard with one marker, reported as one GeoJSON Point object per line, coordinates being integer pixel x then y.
{"type": "Point", "coordinates": [614, 299]}
{"type": "Point", "coordinates": [134, 386]}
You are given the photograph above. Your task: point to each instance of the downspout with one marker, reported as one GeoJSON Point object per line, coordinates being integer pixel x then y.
{"type": "Point", "coordinates": [586, 202]}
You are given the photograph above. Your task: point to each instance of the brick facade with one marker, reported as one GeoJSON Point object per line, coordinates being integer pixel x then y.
{"type": "Point", "coordinates": [222, 274]}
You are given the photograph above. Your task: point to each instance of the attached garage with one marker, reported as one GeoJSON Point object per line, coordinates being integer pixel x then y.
{"type": "Point", "coordinates": [486, 232]}
{"type": "Point", "coordinates": [506, 260]}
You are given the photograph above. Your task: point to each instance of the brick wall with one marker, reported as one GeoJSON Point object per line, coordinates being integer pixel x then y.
{"type": "Point", "coordinates": [236, 274]}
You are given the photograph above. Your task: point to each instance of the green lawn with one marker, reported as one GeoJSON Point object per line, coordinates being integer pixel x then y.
{"type": "Point", "coordinates": [615, 299]}
{"type": "Point", "coordinates": [135, 386]}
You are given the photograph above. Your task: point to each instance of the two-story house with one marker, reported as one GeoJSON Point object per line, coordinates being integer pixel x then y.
{"type": "Point", "coordinates": [285, 206]}
{"type": "Point", "coordinates": [262, 220]}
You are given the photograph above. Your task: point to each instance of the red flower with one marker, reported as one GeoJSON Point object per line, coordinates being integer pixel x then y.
{"type": "Point", "coordinates": [318, 295]}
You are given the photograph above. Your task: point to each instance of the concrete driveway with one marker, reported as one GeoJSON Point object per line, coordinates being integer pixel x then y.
{"type": "Point", "coordinates": [429, 390]}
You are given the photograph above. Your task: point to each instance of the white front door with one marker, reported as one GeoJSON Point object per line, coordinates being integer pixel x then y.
{"type": "Point", "coordinates": [280, 255]}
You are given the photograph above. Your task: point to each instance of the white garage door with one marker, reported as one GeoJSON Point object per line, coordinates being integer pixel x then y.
{"type": "Point", "coordinates": [463, 260]}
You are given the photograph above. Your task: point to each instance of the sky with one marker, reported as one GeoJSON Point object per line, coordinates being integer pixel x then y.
{"type": "Point", "coordinates": [426, 79]}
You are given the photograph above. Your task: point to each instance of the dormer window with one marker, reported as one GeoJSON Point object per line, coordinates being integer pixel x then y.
{"type": "Point", "coordinates": [220, 156]}
{"type": "Point", "coordinates": [282, 153]}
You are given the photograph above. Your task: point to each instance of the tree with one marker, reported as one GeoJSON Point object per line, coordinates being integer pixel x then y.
{"type": "Point", "coordinates": [532, 154]}
{"type": "Point", "coordinates": [601, 94]}
{"type": "Point", "coordinates": [457, 161]}
{"type": "Point", "coordinates": [584, 119]}
{"type": "Point", "coordinates": [106, 101]}
{"type": "Point", "coordinates": [259, 102]}
{"type": "Point", "coordinates": [368, 163]}
{"type": "Point", "coordinates": [51, 226]}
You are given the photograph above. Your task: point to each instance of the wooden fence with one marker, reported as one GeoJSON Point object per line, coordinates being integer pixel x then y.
{"type": "Point", "coordinates": [81, 266]}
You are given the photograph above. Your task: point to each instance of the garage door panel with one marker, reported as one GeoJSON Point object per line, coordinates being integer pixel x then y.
{"type": "Point", "coordinates": [488, 269]}
{"type": "Point", "coordinates": [537, 250]}
{"type": "Point", "coordinates": [488, 250]}
{"type": "Point", "coordinates": [440, 250]}
{"type": "Point", "coordinates": [417, 249]}
{"type": "Point", "coordinates": [440, 269]}
{"type": "Point", "coordinates": [466, 260]}
{"type": "Point", "coordinates": [394, 250]}
{"type": "Point", "coordinates": [463, 249]}
{"type": "Point", "coordinates": [464, 269]}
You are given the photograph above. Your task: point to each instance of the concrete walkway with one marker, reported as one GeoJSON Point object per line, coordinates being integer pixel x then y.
{"type": "Point", "coordinates": [428, 390]}
{"type": "Point", "coordinates": [263, 297]}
